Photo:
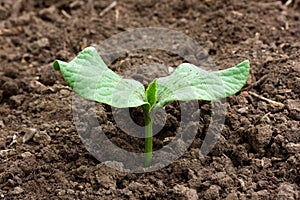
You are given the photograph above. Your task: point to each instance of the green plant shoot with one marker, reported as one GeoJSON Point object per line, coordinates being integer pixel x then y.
{"type": "Point", "coordinates": [91, 79]}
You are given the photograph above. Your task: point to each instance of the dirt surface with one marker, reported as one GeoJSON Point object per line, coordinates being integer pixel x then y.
{"type": "Point", "coordinates": [257, 155]}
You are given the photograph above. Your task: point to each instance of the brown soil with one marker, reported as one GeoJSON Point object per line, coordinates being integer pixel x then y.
{"type": "Point", "coordinates": [257, 155]}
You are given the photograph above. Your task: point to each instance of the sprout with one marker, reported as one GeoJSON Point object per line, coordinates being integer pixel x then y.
{"type": "Point", "coordinates": [91, 79]}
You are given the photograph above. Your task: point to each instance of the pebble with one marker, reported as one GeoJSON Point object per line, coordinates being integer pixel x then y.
{"type": "Point", "coordinates": [29, 133]}
{"type": "Point", "coordinates": [42, 137]}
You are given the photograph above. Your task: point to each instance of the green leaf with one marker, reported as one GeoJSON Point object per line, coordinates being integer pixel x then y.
{"type": "Point", "coordinates": [91, 79]}
{"type": "Point", "coordinates": [189, 82]}
{"type": "Point", "coordinates": [151, 92]}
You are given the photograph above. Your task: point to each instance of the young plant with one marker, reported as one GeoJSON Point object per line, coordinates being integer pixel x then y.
{"type": "Point", "coordinates": [91, 79]}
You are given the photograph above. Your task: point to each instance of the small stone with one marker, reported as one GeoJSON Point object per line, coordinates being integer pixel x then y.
{"type": "Point", "coordinates": [26, 155]}
{"type": "Point", "coordinates": [29, 133]}
{"type": "Point", "coordinates": [17, 190]}
{"type": "Point", "coordinates": [42, 137]}
{"type": "Point", "coordinates": [293, 147]}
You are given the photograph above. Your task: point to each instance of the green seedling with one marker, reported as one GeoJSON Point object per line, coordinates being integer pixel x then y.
{"type": "Point", "coordinates": [91, 79]}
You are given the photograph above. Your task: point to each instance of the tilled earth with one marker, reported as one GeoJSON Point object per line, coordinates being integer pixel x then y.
{"type": "Point", "coordinates": [257, 155]}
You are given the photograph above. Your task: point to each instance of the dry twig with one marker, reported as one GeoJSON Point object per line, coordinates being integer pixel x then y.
{"type": "Point", "coordinates": [108, 8]}
{"type": "Point", "coordinates": [274, 103]}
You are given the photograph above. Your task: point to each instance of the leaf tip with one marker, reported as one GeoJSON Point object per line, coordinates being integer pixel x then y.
{"type": "Point", "coordinates": [245, 63]}
{"type": "Point", "coordinates": [56, 65]}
